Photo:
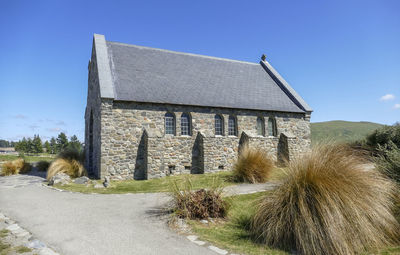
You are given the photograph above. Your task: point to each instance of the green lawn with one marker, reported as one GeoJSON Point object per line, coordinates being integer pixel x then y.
{"type": "Point", "coordinates": [233, 233]}
{"type": "Point", "coordinates": [154, 185]}
{"type": "Point", "coordinates": [29, 158]}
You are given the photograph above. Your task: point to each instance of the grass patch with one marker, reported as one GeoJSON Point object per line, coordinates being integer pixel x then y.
{"type": "Point", "coordinates": [198, 181]}
{"type": "Point", "coordinates": [234, 233]}
{"type": "Point", "coordinates": [22, 249]}
{"type": "Point", "coordinates": [4, 247]}
{"type": "Point", "coordinates": [253, 165]}
{"type": "Point", "coordinates": [29, 159]}
{"type": "Point", "coordinates": [4, 233]}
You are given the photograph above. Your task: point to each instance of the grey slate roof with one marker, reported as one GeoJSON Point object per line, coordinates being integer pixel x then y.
{"type": "Point", "coordinates": [143, 74]}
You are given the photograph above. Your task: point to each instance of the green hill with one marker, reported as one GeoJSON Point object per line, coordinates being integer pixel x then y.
{"type": "Point", "coordinates": [341, 131]}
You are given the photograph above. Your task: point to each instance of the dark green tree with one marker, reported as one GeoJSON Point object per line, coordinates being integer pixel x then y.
{"type": "Point", "coordinates": [47, 147]}
{"type": "Point", "coordinates": [30, 146]}
{"type": "Point", "coordinates": [53, 146]}
{"type": "Point", "coordinates": [22, 145]}
{"type": "Point", "coordinates": [4, 143]}
{"type": "Point", "coordinates": [37, 144]}
{"type": "Point", "coordinates": [74, 143]}
{"type": "Point", "coordinates": [62, 142]}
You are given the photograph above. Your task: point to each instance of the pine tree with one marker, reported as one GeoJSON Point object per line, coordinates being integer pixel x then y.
{"type": "Point", "coordinates": [53, 146]}
{"type": "Point", "coordinates": [62, 142]}
{"type": "Point", "coordinates": [37, 144]}
{"type": "Point", "coordinates": [30, 146]}
{"type": "Point", "coordinates": [74, 143]}
{"type": "Point", "coordinates": [47, 147]}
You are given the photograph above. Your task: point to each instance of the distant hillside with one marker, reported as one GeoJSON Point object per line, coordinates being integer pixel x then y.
{"type": "Point", "coordinates": [341, 131]}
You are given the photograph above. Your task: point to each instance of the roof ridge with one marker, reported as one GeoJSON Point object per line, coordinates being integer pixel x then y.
{"type": "Point", "coordinates": [183, 53]}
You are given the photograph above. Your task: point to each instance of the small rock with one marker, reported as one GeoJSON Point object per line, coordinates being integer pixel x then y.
{"type": "Point", "coordinates": [98, 186]}
{"type": "Point", "coordinates": [204, 221]}
{"type": "Point", "coordinates": [13, 227]}
{"type": "Point", "coordinates": [35, 244]}
{"type": "Point", "coordinates": [218, 250]}
{"type": "Point", "coordinates": [82, 180]}
{"type": "Point", "coordinates": [192, 237]}
{"type": "Point", "coordinates": [60, 178]}
{"type": "Point", "coordinates": [9, 221]}
{"type": "Point", "coordinates": [106, 182]}
{"type": "Point", "coordinates": [199, 242]}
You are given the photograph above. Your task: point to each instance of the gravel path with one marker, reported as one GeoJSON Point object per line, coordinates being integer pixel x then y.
{"type": "Point", "coordinates": [74, 223]}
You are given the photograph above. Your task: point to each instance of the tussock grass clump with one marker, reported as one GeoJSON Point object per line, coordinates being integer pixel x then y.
{"type": "Point", "coordinates": [15, 167]}
{"type": "Point", "coordinates": [253, 165]}
{"type": "Point", "coordinates": [70, 162]}
{"type": "Point", "coordinates": [198, 204]}
{"type": "Point", "coordinates": [73, 168]}
{"type": "Point", "coordinates": [8, 168]}
{"type": "Point", "coordinates": [43, 165]}
{"type": "Point", "coordinates": [329, 204]}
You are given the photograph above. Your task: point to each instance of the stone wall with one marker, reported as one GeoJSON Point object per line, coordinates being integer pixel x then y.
{"type": "Point", "coordinates": [128, 126]}
{"type": "Point", "coordinates": [93, 111]}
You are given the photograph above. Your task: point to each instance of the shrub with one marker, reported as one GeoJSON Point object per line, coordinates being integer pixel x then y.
{"type": "Point", "coordinates": [388, 161]}
{"type": "Point", "coordinates": [42, 165]}
{"type": "Point", "coordinates": [198, 204]}
{"type": "Point", "coordinates": [73, 168]}
{"type": "Point", "coordinates": [385, 135]}
{"type": "Point", "coordinates": [8, 168]}
{"type": "Point", "coordinates": [328, 204]}
{"type": "Point", "coordinates": [70, 162]}
{"type": "Point", "coordinates": [72, 154]}
{"type": "Point", "coordinates": [15, 167]}
{"type": "Point", "coordinates": [23, 166]}
{"type": "Point", "coordinates": [253, 165]}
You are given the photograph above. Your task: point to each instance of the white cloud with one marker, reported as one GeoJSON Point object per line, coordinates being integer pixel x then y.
{"type": "Point", "coordinates": [396, 106]}
{"type": "Point", "coordinates": [387, 97]}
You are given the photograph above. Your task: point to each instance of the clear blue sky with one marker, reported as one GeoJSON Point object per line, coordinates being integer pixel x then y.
{"type": "Point", "coordinates": [342, 57]}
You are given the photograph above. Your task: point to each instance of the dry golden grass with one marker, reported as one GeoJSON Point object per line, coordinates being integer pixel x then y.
{"type": "Point", "coordinates": [8, 168]}
{"type": "Point", "coordinates": [24, 167]}
{"type": "Point", "coordinates": [198, 204]}
{"type": "Point", "coordinates": [253, 165]}
{"type": "Point", "coordinates": [15, 167]}
{"type": "Point", "coordinates": [328, 204]}
{"type": "Point", "coordinates": [71, 167]}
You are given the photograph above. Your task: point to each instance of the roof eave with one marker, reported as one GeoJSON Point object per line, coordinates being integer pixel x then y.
{"type": "Point", "coordinates": [292, 94]}
{"type": "Point", "coordinates": [103, 67]}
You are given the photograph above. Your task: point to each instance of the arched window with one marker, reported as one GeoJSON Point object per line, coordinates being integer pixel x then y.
{"type": "Point", "coordinates": [186, 124]}
{"type": "Point", "coordinates": [232, 127]}
{"type": "Point", "coordinates": [219, 125]}
{"type": "Point", "coordinates": [271, 127]}
{"type": "Point", "coordinates": [260, 126]}
{"type": "Point", "coordinates": [169, 123]}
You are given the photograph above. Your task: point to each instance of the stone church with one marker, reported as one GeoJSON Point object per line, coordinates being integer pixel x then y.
{"type": "Point", "coordinates": [153, 112]}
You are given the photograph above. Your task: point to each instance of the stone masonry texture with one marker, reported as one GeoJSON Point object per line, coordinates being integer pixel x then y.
{"type": "Point", "coordinates": [128, 139]}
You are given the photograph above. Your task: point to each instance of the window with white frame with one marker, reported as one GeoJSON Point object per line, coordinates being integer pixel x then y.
{"type": "Point", "coordinates": [185, 124]}
{"type": "Point", "coordinates": [219, 125]}
{"type": "Point", "coordinates": [169, 123]}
